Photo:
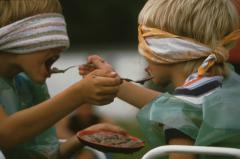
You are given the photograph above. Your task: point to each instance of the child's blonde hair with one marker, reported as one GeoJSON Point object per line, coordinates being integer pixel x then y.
{"type": "Point", "coordinates": [13, 10]}
{"type": "Point", "coordinates": [207, 21]}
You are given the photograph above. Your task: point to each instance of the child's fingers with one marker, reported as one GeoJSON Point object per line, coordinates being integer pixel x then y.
{"type": "Point", "coordinates": [99, 62]}
{"type": "Point", "coordinates": [82, 72]}
{"type": "Point", "coordinates": [95, 57]}
{"type": "Point", "coordinates": [85, 71]}
{"type": "Point", "coordinates": [104, 73]}
{"type": "Point", "coordinates": [87, 67]}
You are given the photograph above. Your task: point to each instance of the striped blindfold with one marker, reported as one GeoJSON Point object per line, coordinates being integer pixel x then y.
{"type": "Point", "coordinates": [36, 33]}
{"type": "Point", "coordinates": [166, 48]}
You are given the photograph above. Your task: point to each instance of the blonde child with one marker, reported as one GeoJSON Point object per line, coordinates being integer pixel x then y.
{"type": "Point", "coordinates": [186, 44]}
{"type": "Point", "coordinates": [32, 36]}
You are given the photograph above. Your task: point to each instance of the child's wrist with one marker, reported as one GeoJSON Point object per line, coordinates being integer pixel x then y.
{"type": "Point", "coordinates": [76, 93]}
{"type": "Point", "coordinates": [121, 88]}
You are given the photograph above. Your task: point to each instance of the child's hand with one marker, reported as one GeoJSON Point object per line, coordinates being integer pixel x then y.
{"type": "Point", "coordinates": [94, 62]}
{"type": "Point", "coordinates": [100, 87]}
{"type": "Point", "coordinates": [86, 69]}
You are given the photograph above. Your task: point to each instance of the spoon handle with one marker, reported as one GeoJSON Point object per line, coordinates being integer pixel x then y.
{"type": "Point", "coordinates": [142, 81]}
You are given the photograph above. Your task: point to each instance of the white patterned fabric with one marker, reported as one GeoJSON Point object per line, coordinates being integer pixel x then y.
{"type": "Point", "coordinates": [166, 48]}
{"type": "Point", "coordinates": [174, 46]}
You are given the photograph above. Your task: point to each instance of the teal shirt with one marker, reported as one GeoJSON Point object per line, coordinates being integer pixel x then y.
{"type": "Point", "coordinates": [215, 122]}
{"type": "Point", "coordinates": [18, 94]}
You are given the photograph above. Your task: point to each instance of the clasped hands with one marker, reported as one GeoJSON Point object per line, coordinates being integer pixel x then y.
{"type": "Point", "coordinates": [100, 83]}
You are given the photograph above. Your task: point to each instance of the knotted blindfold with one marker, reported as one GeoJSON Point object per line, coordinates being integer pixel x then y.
{"type": "Point", "coordinates": [166, 48]}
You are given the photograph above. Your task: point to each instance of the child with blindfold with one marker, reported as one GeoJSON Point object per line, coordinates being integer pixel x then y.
{"type": "Point", "coordinates": [186, 44]}
{"type": "Point", "coordinates": [32, 36]}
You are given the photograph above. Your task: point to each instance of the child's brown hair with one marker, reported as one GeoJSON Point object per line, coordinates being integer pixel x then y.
{"type": "Point", "coordinates": [13, 10]}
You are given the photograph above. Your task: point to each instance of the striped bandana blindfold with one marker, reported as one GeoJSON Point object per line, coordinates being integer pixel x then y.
{"type": "Point", "coordinates": [36, 33]}
{"type": "Point", "coordinates": [166, 48]}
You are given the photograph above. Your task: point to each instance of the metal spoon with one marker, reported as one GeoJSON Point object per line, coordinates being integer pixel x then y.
{"type": "Point", "coordinates": [56, 70]}
{"type": "Point", "coordinates": [142, 81]}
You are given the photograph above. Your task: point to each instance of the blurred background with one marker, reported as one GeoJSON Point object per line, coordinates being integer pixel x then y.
{"type": "Point", "coordinates": [107, 28]}
{"type": "Point", "coordinates": [105, 22]}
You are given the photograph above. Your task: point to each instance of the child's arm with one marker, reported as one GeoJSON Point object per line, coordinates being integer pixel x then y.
{"type": "Point", "coordinates": [136, 95]}
{"type": "Point", "coordinates": [62, 129]}
{"type": "Point", "coordinates": [131, 93]}
{"type": "Point", "coordinates": [181, 141]}
{"type": "Point", "coordinates": [23, 125]}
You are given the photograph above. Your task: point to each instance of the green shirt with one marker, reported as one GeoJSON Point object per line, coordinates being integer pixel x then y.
{"type": "Point", "coordinates": [215, 122]}
{"type": "Point", "coordinates": [21, 93]}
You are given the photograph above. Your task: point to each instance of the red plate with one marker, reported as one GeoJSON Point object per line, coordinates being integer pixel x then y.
{"type": "Point", "coordinates": [110, 141]}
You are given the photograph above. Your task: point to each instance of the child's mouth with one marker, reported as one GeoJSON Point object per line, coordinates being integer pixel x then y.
{"type": "Point", "coordinates": [49, 63]}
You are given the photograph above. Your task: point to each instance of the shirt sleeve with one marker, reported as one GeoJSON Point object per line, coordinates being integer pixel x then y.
{"type": "Point", "coordinates": [173, 113]}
